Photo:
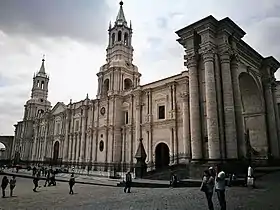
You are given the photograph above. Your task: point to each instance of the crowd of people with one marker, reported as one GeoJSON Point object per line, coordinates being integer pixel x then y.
{"type": "Point", "coordinates": [37, 176]}
{"type": "Point", "coordinates": [214, 179]}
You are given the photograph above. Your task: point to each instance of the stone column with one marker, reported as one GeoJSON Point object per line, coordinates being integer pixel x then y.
{"type": "Point", "coordinates": [272, 130]}
{"type": "Point", "coordinates": [148, 146]}
{"type": "Point", "coordinates": [66, 140]}
{"type": "Point", "coordinates": [83, 140]}
{"type": "Point", "coordinates": [124, 145]}
{"type": "Point", "coordinates": [74, 148]}
{"type": "Point", "coordinates": [70, 137]}
{"type": "Point", "coordinates": [34, 145]}
{"type": "Point", "coordinates": [195, 124]}
{"type": "Point", "coordinates": [276, 111]}
{"type": "Point", "coordinates": [137, 118]}
{"type": "Point", "coordinates": [171, 146]}
{"type": "Point", "coordinates": [229, 112]}
{"type": "Point", "coordinates": [211, 106]}
{"type": "Point", "coordinates": [238, 107]}
{"type": "Point", "coordinates": [186, 126]}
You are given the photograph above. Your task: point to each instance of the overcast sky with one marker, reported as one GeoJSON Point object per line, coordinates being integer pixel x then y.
{"type": "Point", "coordinates": [73, 35]}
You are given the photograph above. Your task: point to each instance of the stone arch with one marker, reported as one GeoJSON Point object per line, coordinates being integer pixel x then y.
{"type": "Point", "coordinates": [162, 155]}
{"type": "Point", "coordinates": [127, 84]}
{"type": "Point", "coordinates": [254, 123]}
{"type": "Point", "coordinates": [3, 149]}
{"type": "Point", "coordinates": [7, 143]}
{"type": "Point", "coordinates": [106, 86]}
{"type": "Point", "coordinates": [250, 94]}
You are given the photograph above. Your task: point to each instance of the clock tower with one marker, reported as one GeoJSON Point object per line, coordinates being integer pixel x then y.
{"type": "Point", "coordinates": [119, 75]}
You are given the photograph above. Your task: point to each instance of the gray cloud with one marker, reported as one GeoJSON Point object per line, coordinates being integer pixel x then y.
{"type": "Point", "coordinates": [52, 18]}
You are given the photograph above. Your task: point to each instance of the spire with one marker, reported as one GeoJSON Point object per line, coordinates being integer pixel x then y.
{"type": "Point", "coordinates": [120, 20]}
{"type": "Point", "coordinates": [42, 69]}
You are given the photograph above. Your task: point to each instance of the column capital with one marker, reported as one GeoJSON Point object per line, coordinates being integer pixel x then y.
{"type": "Point", "coordinates": [191, 60]}
{"type": "Point", "coordinates": [208, 55]}
{"type": "Point", "coordinates": [184, 97]}
{"type": "Point", "coordinates": [268, 81]}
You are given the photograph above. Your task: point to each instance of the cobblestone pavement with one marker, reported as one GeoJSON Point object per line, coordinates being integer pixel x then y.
{"type": "Point", "coordinates": [103, 198]}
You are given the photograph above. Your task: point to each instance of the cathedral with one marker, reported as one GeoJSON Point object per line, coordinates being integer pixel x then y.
{"type": "Point", "coordinates": [222, 106]}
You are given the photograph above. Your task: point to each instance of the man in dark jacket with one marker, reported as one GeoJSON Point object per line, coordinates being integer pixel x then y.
{"type": "Point", "coordinates": [128, 181]}
{"type": "Point", "coordinates": [71, 183]}
{"type": "Point", "coordinates": [36, 182]}
{"type": "Point", "coordinates": [4, 184]}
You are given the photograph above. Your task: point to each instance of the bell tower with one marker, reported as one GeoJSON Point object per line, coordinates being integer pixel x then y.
{"type": "Point", "coordinates": [118, 75]}
{"type": "Point", "coordinates": [38, 103]}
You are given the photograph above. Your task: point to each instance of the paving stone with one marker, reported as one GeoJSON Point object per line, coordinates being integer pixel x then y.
{"type": "Point", "coordinates": [94, 197]}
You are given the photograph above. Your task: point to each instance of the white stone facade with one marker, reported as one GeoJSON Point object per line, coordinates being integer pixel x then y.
{"type": "Point", "coordinates": [202, 113]}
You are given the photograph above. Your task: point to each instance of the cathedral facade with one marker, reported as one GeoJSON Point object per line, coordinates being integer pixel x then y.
{"type": "Point", "coordinates": [222, 105]}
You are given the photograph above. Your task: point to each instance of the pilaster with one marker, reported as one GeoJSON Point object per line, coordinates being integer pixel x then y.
{"type": "Point", "coordinates": [271, 120]}
{"type": "Point", "coordinates": [195, 123]}
{"type": "Point", "coordinates": [186, 126]}
{"type": "Point", "coordinates": [211, 105]}
{"type": "Point", "coordinates": [229, 110]}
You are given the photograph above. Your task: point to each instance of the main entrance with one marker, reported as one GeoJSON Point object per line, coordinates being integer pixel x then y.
{"type": "Point", "coordinates": [162, 156]}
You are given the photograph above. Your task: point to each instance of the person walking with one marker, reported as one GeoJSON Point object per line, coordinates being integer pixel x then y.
{"type": "Point", "coordinates": [71, 183]}
{"type": "Point", "coordinates": [12, 185]}
{"type": "Point", "coordinates": [128, 181]}
{"type": "Point", "coordinates": [4, 185]}
{"type": "Point", "coordinates": [36, 182]}
{"type": "Point", "coordinates": [207, 187]}
{"type": "Point", "coordinates": [220, 187]}
{"type": "Point", "coordinates": [47, 182]}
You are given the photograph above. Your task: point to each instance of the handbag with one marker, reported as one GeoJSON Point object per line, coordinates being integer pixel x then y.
{"type": "Point", "coordinates": [203, 187]}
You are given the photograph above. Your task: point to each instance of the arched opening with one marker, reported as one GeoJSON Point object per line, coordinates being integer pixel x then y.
{"type": "Point", "coordinates": [162, 156]}
{"type": "Point", "coordinates": [38, 83]}
{"type": "Point", "coordinates": [126, 39]}
{"type": "Point", "coordinates": [42, 85]}
{"type": "Point", "coordinates": [119, 36]}
{"type": "Point", "coordinates": [105, 86]}
{"type": "Point", "coordinates": [2, 151]}
{"type": "Point", "coordinates": [127, 84]}
{"type": "Point", "coordinates": [253, 117]}
{"type": "Point", "coordinates": [250, 94]}
{"type": "Point", "coordinates": [113, 38]}
{"type": "Point", "coordinates": [55, 151]}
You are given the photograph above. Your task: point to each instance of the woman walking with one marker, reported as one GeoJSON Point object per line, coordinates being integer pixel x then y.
{"type": "Point", "coordinates": [207, 187]}
{"type": "Point", "coordinates": [12, 185]}
{"type": "Point", "coordinates": [4, 184]}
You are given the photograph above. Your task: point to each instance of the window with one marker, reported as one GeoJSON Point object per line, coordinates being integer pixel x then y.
{"type": "Point", "coordinates": [101, 135]}
{"type": "Point", "coordinates": [57, 128]}
{"type": "Point", "coordinates": [106, 86]}
{"type": "Point", "coordinates": [125, 39]}
{"type": "Point", "coordinates": [38, 83]}
{"type": "Point", "coordinates": [113, 38]}
{"type": "Point", "coordinates": [101, 146]}
{"type": "Point", "coordinates": [126, 117]}
{"type": "Point", "coordinates": [127, 84]}
{"type": "Point", "coordinates": [42, 85]}
{"type": "Point", "coordinates": [77, 125]}
{"type": "Point", "coordinates": [119, 36]}
{"type": "Point", "coordinates": [161, 112]}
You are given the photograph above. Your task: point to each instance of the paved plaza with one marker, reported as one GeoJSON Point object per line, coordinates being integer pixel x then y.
{"type": "Point", "coordinates": [96, 197]}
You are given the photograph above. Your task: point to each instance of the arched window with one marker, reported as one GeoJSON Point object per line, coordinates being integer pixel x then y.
{"type": "Point", "coordinates": [119, 36]}
{"type": "Point", "coordinates": [106, 86]}
{"type": "Point", "coordinates": [42, 85]}
{"type": "Point", "coordinates": [127, 84]}
{"type": "Point", "coordinates": [126, 39]}
{"type": "Point", "coordinates": [113, 38]}
{"type": "Point", "coordinates": [38, 83]}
